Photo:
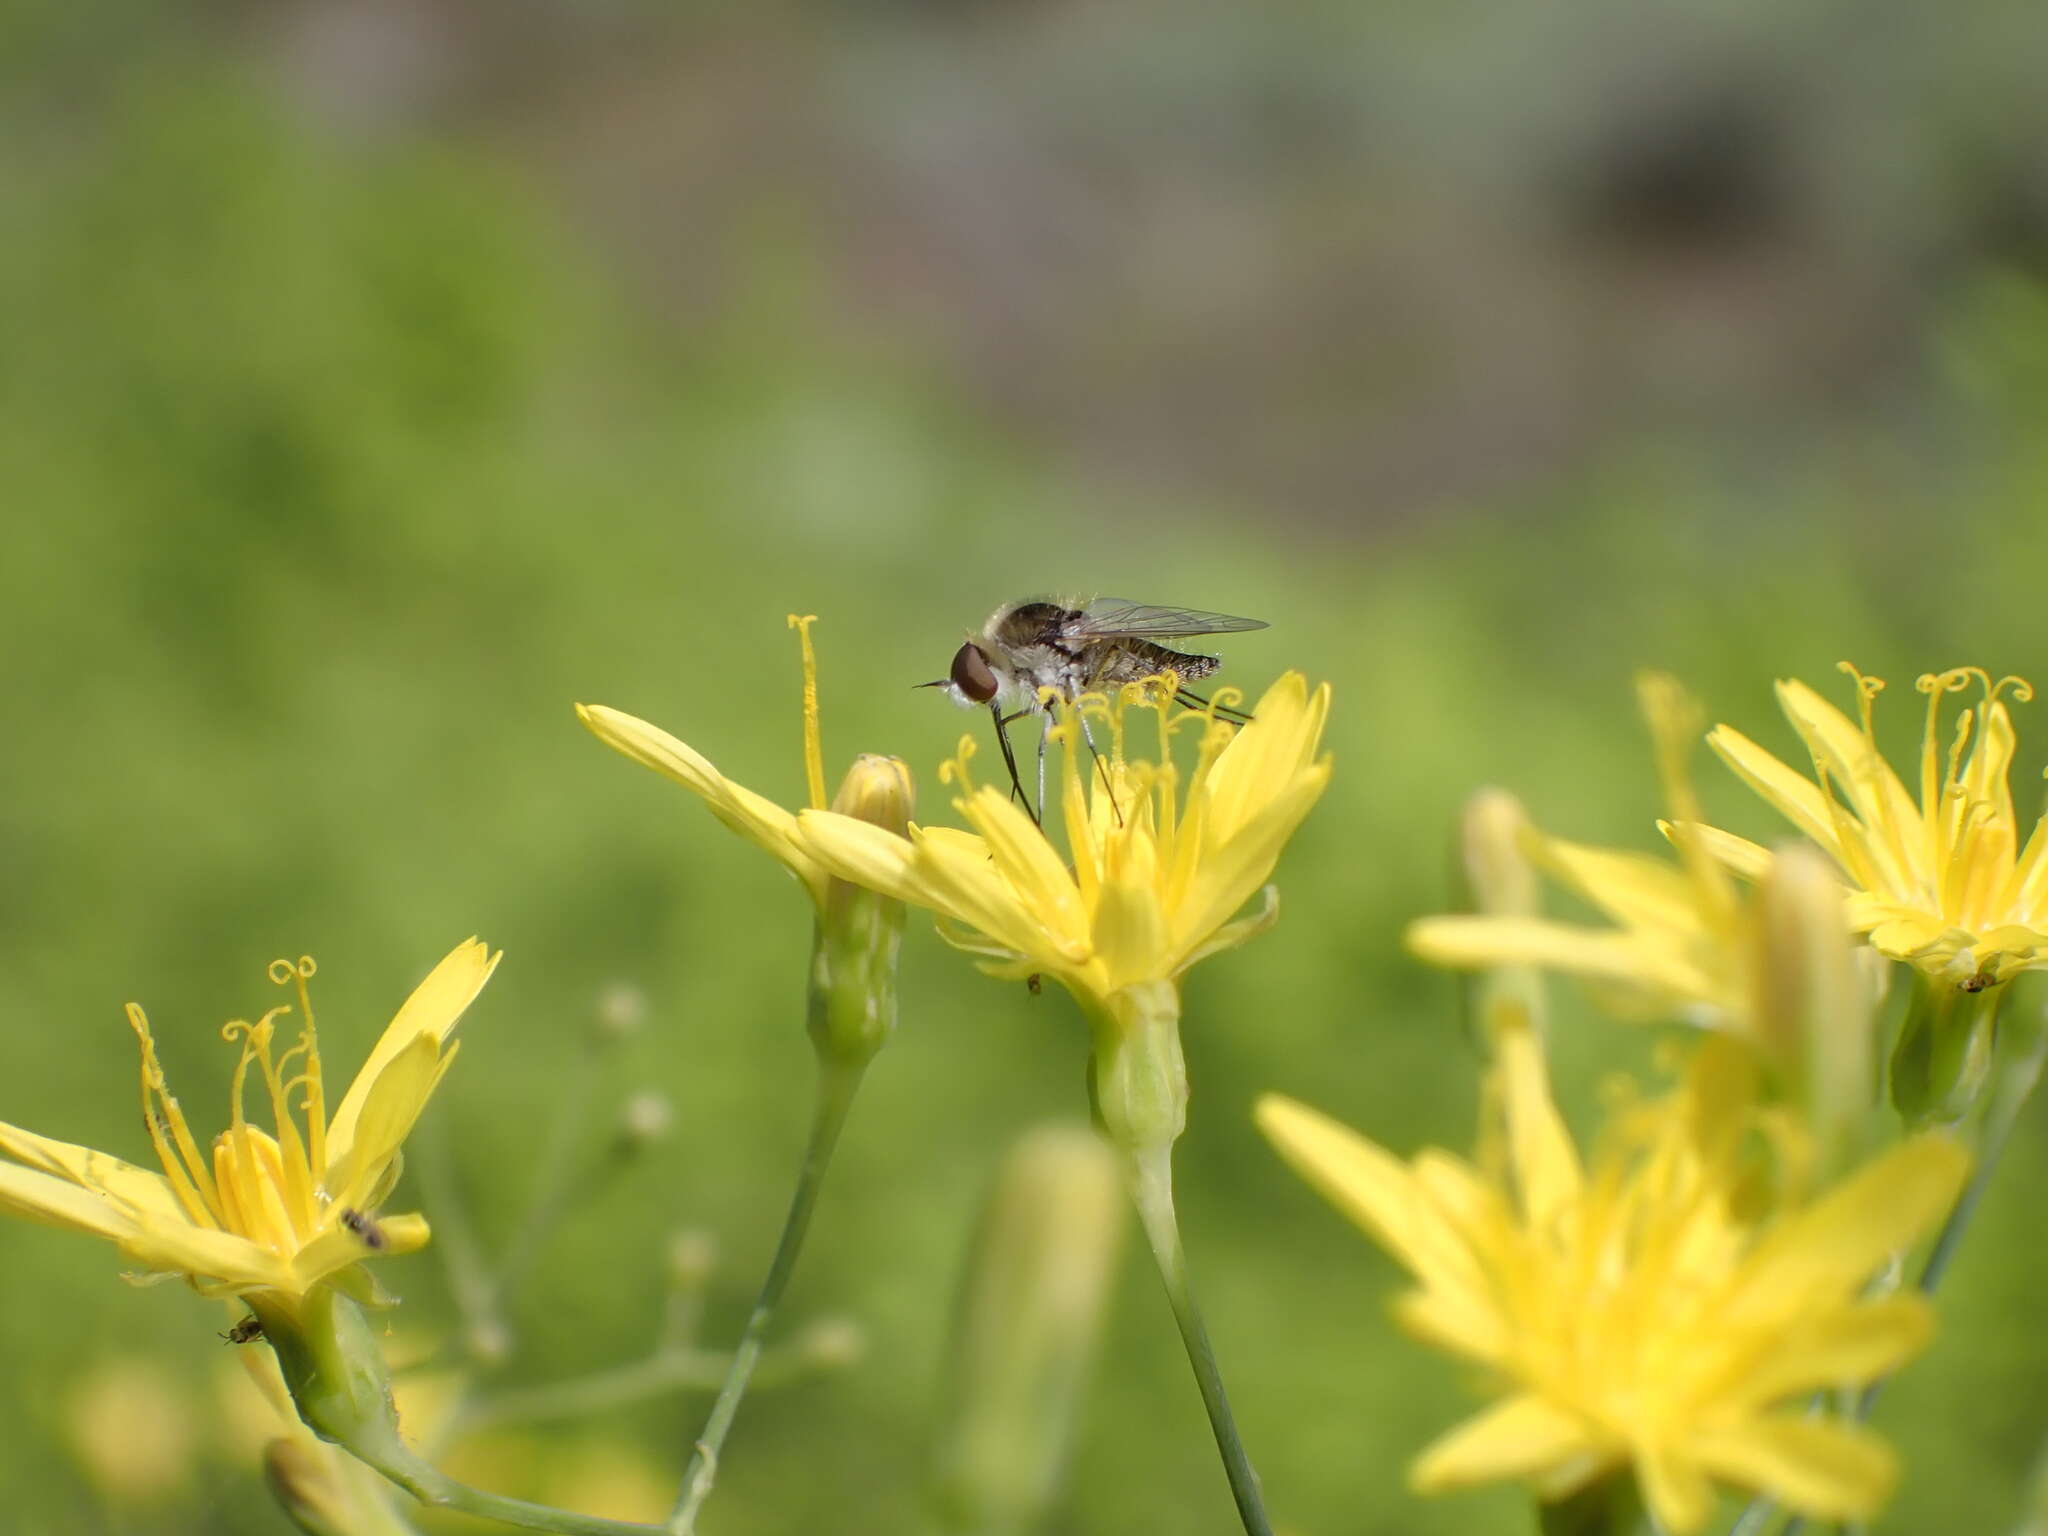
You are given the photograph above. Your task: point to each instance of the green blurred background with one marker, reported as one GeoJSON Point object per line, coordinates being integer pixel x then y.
{"type": "Point", "coordinates": [377, 378]}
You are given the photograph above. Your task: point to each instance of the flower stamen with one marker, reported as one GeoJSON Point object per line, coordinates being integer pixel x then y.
{"type": "Point", "coordinates": [814, 749]}
{"type": "Point", "coordinates": [314, 1104]}
{"type": "Point", "coordinates": [183, 1167]}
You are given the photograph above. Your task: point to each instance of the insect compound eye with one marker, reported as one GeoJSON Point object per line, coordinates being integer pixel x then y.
{"type": "Point", "coordinates": [972, 674]}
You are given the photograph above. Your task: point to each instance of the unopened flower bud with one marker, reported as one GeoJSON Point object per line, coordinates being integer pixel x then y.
{"type": "Point", "coordinates": [853, 960]}
{"type": "Point", "coordinates": [1501, 882]}
{"type": "Point", "coordinates": [1030, 1314]}
{"type": "Point", "coordinates": [833, 1343]}
{"type": "Point", "coordinates": [1813, 1009]}
{"type": "Point", "coordinates": [325, 1494]}
{"type": "Point", "coordinates": [621, 1011]}
{"type": "Point", "coordinates": [878, 791]}
{"type": "Point", "coordinates": [301, 1478]}
{"type": "Point", "coordinates": [645, 1119]}
{"type": "Point", "coordinates": [692, 1255]}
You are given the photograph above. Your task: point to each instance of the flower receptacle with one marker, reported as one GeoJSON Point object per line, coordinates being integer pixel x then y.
{"type": "Point", "coordinates": [331, 1366]}
{"type": "Point", "coordinates": [1943, 1057]}
{"type": "Point", "coordinates": [1137, 1077]}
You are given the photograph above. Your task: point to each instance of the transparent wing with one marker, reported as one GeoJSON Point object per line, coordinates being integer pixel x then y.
{"type": "Point", "coordinates": [1111, 618]}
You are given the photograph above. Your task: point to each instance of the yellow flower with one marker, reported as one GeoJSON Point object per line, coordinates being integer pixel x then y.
{"type": "Point", "coordinates": [1680, 941]}
{"type": "Point", "coordinates": [1155, 873]}
{"type": "Point", "coordinates": [1649, 1312]}
{"type": "Point", "coordinates": [755, 817]}
{"type": "Point", "coordinates": [1943, 883]}
{"type": "Point", "coordinates": [269, 1216]}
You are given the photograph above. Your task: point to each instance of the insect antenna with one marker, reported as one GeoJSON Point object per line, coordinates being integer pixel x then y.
{"type": "Point", "coordinates": [995, 711]}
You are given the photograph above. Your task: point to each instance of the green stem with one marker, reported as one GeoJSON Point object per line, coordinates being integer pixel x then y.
{"type": "Point", "coordinates": [1150, 1173]}
{"type": "Point", "coordinates": [1608, 1506]}
{"type": "Point", "coordinates": [598, 1392]}
{"type": "Point", "coordinates": [553, 1188]}
{"type": "Point", "coordinates": [2016, 1086]}
{"type": "Point", "coordinates": [837, 1081]}
{"type": "Point", "coordinates": [390, 1455]}
{"type": "Point", "coordinates": [666, 1370]}
{"type": "Point", "coordinates": [455, 1242]}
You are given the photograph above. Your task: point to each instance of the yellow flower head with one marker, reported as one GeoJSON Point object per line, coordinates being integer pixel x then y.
{"type": "Point", "coordinates": [1156, 870]}
{"type": "Point", "coordinates": [1942, 882]}
{"type": "Point", "coordinates": [1655, 1309]}
{"type": "Point", "coordinates": [265, 1214]}
{"type": "Point", "coordinates": [1679, 938]}
{"type": "Point", "coordinates": [755, 817]}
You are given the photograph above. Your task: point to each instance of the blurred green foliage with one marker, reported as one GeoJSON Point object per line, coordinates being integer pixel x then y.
{"type": "Point", "coordinates": [334, 472]}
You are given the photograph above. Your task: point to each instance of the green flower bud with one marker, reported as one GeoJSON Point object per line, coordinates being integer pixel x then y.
{"type": "Point", "coordinates": [853, 957]}
{"type": "Point", "coordinates": [1030, 1314]}
{"type": "Point", "coordinates": [1814, 1013]}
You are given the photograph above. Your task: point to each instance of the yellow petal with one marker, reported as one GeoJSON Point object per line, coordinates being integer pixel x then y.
{"type": "Point", "coordinates": [1456, 1322]}
{"type": "Point", "coordinates": [1823, 1468]}
{"type": "Point", "coordinates": [390, 1110]}
{"type": "Point", "coordinates": [1674, 1486]}
{"type": "Point", "coordinates": [136, 1189]}
{"type": "Point", "coordinates": [338, 1247]}
{"type": "Point", "coordinates": [1833, 1245]}
{"type": "Point", "coordinates": [1522, 1436]}
{"type": "Point", "coordinates": [1846, 1348]}
{"type": "Point", "coordinates": [859, 851]}
{"type": "Point", "coordinates": [1263, 758]}
{"type": "Point", "coordinates": [1631, 888]}
{"type": "Point", "coordinates": [1859, 772]}
{"type": "Point", "coordinates": [435, 1007]}
{"type": "Point", "coordinates": [1795, 796]}
{"type": "Point", "coordinates": [1130, 932]}
{"type": "Point", "coordinates": [1026, 860]}
{"type": "Point", "coordinates": [1232, 934]}
{"type": "Point", "coordinates": [1470, 942]}
{"type": "Point", "coordinates": [1546, 1164]}
{"type": "Point", "coordinates": [1375, 1189]}
{"type": "Point", "coordinates": [178, 1247]}
{"type": "Point", "coordinates": [955, 878]}
{"type": "Point", "coordinates": [58, 1202]}
{"type": "Point", "coordinates": [1752, 861]}
{"type": "Point", "coordinates": [1230, 873]}
{"type": "Point", "coordinates": [755, 817]}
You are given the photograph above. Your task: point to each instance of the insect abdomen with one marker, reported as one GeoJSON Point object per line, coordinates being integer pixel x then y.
{"type": "Point", "coordinates": [1134, 660]}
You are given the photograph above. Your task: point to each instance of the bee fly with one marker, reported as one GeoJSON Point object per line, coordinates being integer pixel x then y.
{"type": "Point", "coordinates": [1071, 648]}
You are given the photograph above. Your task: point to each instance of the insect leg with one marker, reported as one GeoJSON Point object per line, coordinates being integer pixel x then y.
{"type": "Point", "coordinates": [1044, 730]}
{"type": "Point", "coordinates": [1191, 700]}
{"type": "Point", "coordinates": [1101, 765]}
{"type": "Point", "coordinates": [995, 711]}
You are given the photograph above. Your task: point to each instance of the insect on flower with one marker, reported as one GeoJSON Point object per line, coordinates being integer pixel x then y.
{"type": "Point", "coordinates": [247, 1331]}
{"type": "Point", "coordinates": [366, 1230]}
{"type": "Point", "coordinates": [1071, 647]}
